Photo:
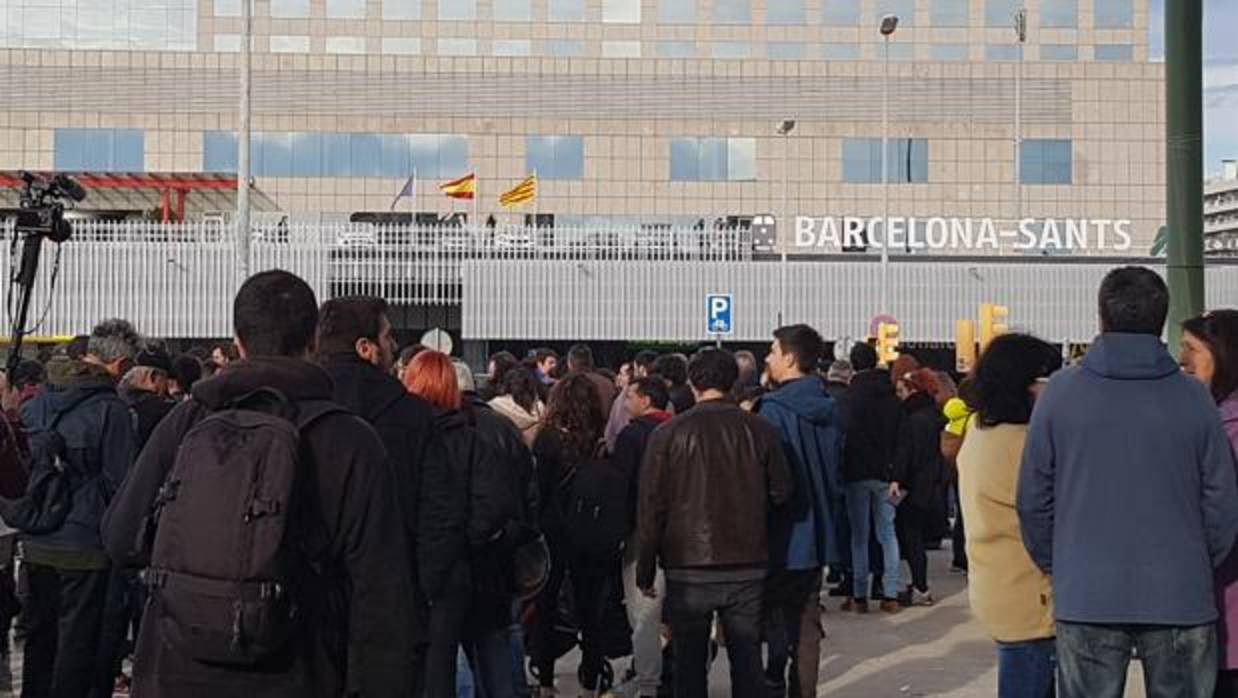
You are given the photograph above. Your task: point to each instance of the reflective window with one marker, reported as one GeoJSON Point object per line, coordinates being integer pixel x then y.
{"type": "Point", "coordinates": [732, 12]}
{"type": "Point", "coordinates": [1115, 53]}
{"type": "Point", "coordinates": [951, 13]}
{"type": "Point", "coordinates": [841, 52]}
{"type": "Point", "coordinates": [225, 8]}
{"type": "Point", "coordinates": [457, 47]}
{"type": "Point", "coordinates": [565, 48]}
{"type": "Point", "coordinates": [676, 49]}
{"type": "Point", "coordinates": [840, 13]}
{"type": "Point", "coordinates": [293, 9]}
{"type": "Point", "coordinates": [785, 50]}
{"type": "Point", "coordinates": [513, 11]}
{"type": "Point", "coordinates": [555, 157]}
{"type": "Point", "coordinates": [511, 47]}
{"type": "Point", "coordinates": [1045, 161]}
{"type": "Point", "coordinates": [621, 11]}
{"type": "Point", "coordinates": [99, 149]}
{"type": "Point", "coordinates": [402, 9]}
{"type": "Point", "coordinates": [1003, 52]}
{"type": "Point", "coordinates": [677, 11]}
{"type": "Point", "coordinates": [227, 43]}
{"type": "Point", "coordinates": [907, 161]}
{"type": "Point", "coordinates": [905, 9]}
{"type": "Point", "coordinates": [1115, 14]}
{"type": "Point", "coordinates": [621, 49]}
{"type": "Point", "coordinates": [345, 44]}
{"type": "Point", "coordinates": [1000, 13]}
{"type": "Point", "coordinates": [122, 25]}
{"type": "Point", "coordinates": [1059, 13]}
{"type": "Point", "coordinates": [457, 10]}
{"type": "Point", "coordinates": [401, 46]}
{"type": "Point", "coordinates": [567, 10]}
{"type": "Point", "coordinates": [785, 12]}
{"type": "Point", "coordinates": [949, 52]}
{"type": "Point", "coordinates": [313, 154]}
{"type": "Point", "coordinates": [219, 151]}
{"type": "Point", "coordinates": [732, 49]}
{"type": "Point", "coordinates": [900, 51]}
{"type": "Point", "coordinates": [1059, 52]}
{"type": "Point", "coordinates": [290, 44]}
{"type": "Point", "coordinates": [346, 9]}
{"type": "Point", "coordinates": [713, 159]}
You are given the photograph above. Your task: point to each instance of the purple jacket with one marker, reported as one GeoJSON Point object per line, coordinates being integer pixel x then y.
{"type": "Point", "coordinates": [1227, 575]}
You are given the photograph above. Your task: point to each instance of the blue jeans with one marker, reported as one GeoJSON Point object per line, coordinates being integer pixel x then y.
{"type": "Point", "coordinates": [865, 499]}
{"type": "Point", "coordinates": [464, 677]}
{"type": "Point", "coordinates": [1026, 669]}
{"type": "Point", "coordinates": [520, 681]}
{"type": "Point", "coordinates": [1178, 662]}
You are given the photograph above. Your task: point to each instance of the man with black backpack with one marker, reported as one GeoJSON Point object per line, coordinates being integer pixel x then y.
{"type": "Point", "coordinates": [83, 436]}
{"type": "Point", "coordinates": [267, 517]}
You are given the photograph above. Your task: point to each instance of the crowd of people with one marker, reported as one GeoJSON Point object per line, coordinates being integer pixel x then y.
{"type": "Point", "coordinates": [312, 511]}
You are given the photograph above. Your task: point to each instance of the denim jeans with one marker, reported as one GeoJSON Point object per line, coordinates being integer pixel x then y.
{"type": "Point", "coordinates": [520, 681]}
{"type": "Point", "coordinates": [865, 498]}
{"type": "Point", "coordinates": [1026, 669]}
{"type": "Point", "coordinates": [1178, 662]}
{"type": "Point", "coordinates": [691, 607]}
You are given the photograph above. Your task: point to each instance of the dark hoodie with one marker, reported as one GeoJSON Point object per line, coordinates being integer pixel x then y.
{"type": "Point", "coordinates": [918, 465]}
{"type": "Point", "coordinates": [800, 534]}
{"type": "Point", "coordinates": [356, 615]}
{"type": "Point", "coordinates": [1126, 492]}
{"type": "Point", "coordinates": [876, 420]}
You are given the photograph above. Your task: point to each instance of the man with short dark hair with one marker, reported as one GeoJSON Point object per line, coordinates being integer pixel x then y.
{"type": "Point", "coordinates": [642, 364]}
{"type": "Point", "coordinates": [545, 362]}
{"type": "Point", "coordinates": [1127, 499]}
{"type": "Point", "coordinates": [709, 479]}
{"type": "Point", "coordinates": [674, 369]}
{"type": "Point", "coordinates": [67, 570]}
{"type": "Point", "coordinates": [802, 536]}
{"type": "Point", "coordinates": [580, 360]}
{"type": "Point", "coordinates": [353, 630]}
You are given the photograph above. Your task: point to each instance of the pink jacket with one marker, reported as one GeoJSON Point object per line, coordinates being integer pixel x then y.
{"type": "Point", "coordinates": [1227, 575]}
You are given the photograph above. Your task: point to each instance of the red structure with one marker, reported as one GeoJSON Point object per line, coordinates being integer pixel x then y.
{"type": "Point", "coordinates": [166, 184]}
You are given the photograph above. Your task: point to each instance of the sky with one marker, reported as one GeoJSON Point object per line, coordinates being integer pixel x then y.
{"type": "Point", "coordinates": [1220, 76]}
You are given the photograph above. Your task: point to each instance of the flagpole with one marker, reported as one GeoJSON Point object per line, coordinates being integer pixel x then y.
{"type": "Point", "coordinates": [414, 196]}
{"type": "Point", "coordinates": [476, 198]}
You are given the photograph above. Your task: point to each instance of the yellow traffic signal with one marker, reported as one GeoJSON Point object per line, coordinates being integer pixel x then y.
{"type": "Point", "coordinates": [964, 345]}
{"type": "Point", "coordinates": [992, 322]}
{"type": "Point", "coordinates": [887, 342]}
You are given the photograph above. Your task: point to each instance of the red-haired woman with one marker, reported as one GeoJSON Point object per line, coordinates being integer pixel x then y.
{"type": "Point", "coordinates": [918, 473]}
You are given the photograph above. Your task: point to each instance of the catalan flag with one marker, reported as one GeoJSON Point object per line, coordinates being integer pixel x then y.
{"type": "Point", "coordinates": [463, 188]}
{"type": "Point", "coordinates": [521, 193]}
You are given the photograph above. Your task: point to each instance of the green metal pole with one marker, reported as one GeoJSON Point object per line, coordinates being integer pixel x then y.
{"type": "Point", "coordinates": [1184, 90]}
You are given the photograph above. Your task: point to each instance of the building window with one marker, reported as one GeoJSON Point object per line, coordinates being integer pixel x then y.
{"type": "Point", "coordinates": [1003, 52]}
{"type": "Point", "coordinates": [290, 44]}
{"type": "Point", "coordinates": [951, 13]}
{"type": "Point", "coordinates": [513, 11]}
{"type": "Point", "coordinates": [949, 52]}
{"type": "Point", "coordinates": [228, 8]}
{"type": "Point", "coordinates": [402, 9]}
{"type": "Point", "coordinates": [345, 44]}
{"type": "Point", "coordinates": [732, 12]}
{"type": "Point", "coordinates": [621, 11]}
{"type": "Point", "coordinates": [1045, 161]}
{"type": "Point", "coordinates": [841, 52]}
{"type": "Point", "coordinates": [345, 9]}
{"type": "Point", "coordinates": [713, 159]}
{"type": "Point", "coordinates": [785, 50]}
{"type": "Point", "coordinates": [566, 10]}
{"type": "Point", "coordinates": [899, 51]}
{"type": "Point", "coordinates": [785, 12]}
{"type": "Point", "coordinates": [1059, 14]}
{"type": "Point", "coordinates": [676, 49]}
{"type": "Point", "coordinates": [1059, 52]}
{"type": "Point", "coordinates": [1000, 13]}
{"type": "Point", "coordinates": [904, 9]}
{"type": "Point", "coordinates": [314, 154]}
{"type": "Point", "coordinates": [401, 46]}
{"type": "Point", "coordinates": [907, 161]}
{"type": "Point", "coordinates": [565, 48]}
{"type": "Point", "coordinates": [100, 149]}
{"type": "Point", "coordinates": [841, 13]}
{"type": "Point", "coordinates": [1115, 53]}
{"type": "Point", "coordinates": [511, 47]}
{"type": "Point", "coordinates": [1114, 14]}
{"type": "Point", "coordinates": [621, 49]}
{"type": "Point", "coordinates": [227, 43]}
{"type": "Point", "coordinates": [677, 11]}
{"type": "Point", "coordinates": [290, 9]}
{"type": "Point", "coordinates": [732, 49]}
{"type": "Point", "coordinates": [457, 10]}
{"type": "Point", "coordinates": [457, 47]}
{"type": "Point", "coordinates": [150, 25]}
{"type": "Point", "coordinates": [555, 157]}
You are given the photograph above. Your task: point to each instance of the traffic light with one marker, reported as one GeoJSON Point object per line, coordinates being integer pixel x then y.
{"type": "Point", "coordinates": [887, 342]}
{"type": "Point", "coordinates": [964, 345]}
{"type": "Point", "coordinates": [992, 322]}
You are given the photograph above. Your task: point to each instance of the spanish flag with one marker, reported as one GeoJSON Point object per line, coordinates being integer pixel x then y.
{"type": "Point", "coordinates": [521, 193]}
{"type": "Point", "coordinates": [462, 188]}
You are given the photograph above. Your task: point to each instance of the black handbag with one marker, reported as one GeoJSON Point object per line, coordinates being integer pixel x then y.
{"type": "Point", "coordinates": [49, 494]}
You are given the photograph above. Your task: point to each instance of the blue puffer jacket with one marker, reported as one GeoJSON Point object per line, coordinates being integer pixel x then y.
{"type": "Point", "coordinates": [810, 423]}
{"type": "Point", "coordinates": [98, 431]}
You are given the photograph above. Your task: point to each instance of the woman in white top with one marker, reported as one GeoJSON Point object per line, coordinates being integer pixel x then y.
{"type": "Point", "coordinates": [519, 402]}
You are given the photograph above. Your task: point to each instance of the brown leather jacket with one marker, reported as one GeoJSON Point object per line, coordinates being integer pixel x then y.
{"type": "Point", "coordinates": [709, 477]}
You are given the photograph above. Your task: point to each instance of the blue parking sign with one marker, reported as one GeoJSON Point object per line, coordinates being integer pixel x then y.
{"type": "Point", "coordinates": [719, 313]}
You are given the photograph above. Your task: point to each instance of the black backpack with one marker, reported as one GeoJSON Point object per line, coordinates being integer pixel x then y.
{"type": "Point", "coordinates": [49, 493]}
{"type": "Point", "coordinates": [595, 508]}
{"type": "Point", "coordinates": [224, 558]}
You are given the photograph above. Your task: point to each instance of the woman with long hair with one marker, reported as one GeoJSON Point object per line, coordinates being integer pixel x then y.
{"type": "Point", "coordinates": [1210, 353]}
{"type": "Point", "coordinates": [521, 402]}
{"type": "Point", "coordinates": [1009, 594]}
{"type": "Point", "coordinates": [918, 475]}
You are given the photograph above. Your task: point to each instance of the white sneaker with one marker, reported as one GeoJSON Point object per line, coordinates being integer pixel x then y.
{"type": "Point", "coordinates": [921, 598]}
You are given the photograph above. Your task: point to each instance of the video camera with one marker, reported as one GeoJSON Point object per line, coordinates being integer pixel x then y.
{"type": "Point", "coordinates": [43, 205]}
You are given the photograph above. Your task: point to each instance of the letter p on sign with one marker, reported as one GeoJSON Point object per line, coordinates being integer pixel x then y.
{"type": "Point", "coordinates": [719, 316]}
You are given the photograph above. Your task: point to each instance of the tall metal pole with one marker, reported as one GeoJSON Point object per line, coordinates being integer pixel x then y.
{"type": "Point", "coordinates": [242, 140]}
{"type": "Point", "coordinates": [885, 178]}
{"type": "Point", "coordinates": [787, 227]}
{"type": "Point", "coordinates": [1020, 30]}
{"type": "Point", "coordinates": [1184, 88]}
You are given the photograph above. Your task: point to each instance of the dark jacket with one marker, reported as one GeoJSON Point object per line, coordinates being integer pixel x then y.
{"type": "Point", "coordinates": [801, 536]}
{"type": "Point", "coordinates": [682, 398]}
{"type": "Point", "coordinates": [356, 633]}
{"type": "Point", "coordinates": [98, 433]}
{"type": "Point", "coordinates": [1126, 492]}
{"type": "Point", "coordinates": [708, 481]}
{"type": "Point", "coordinates": [630, 451]}
{"type": "Point", "coordinates": [514, 459]}
{"type": "Point", "coordinates": [148, 409]}
{"type": "Point", "coordinates": [918, 464]}
{"type": "Point", "coordinates": [872, 431]}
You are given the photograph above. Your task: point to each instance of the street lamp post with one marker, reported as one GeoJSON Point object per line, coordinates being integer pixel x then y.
{"type": "Point", "coordinates": [1020, 31]}
{"type": "Point", "coordinates": [889, 23]}
{"type": "Point", "coordinates": [242, 159]}
{"type": "Point", "coordinates": [784, 129]}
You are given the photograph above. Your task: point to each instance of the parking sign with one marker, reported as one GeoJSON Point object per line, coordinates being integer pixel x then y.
{"type": "Point", "coordinates": [719, 313]}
